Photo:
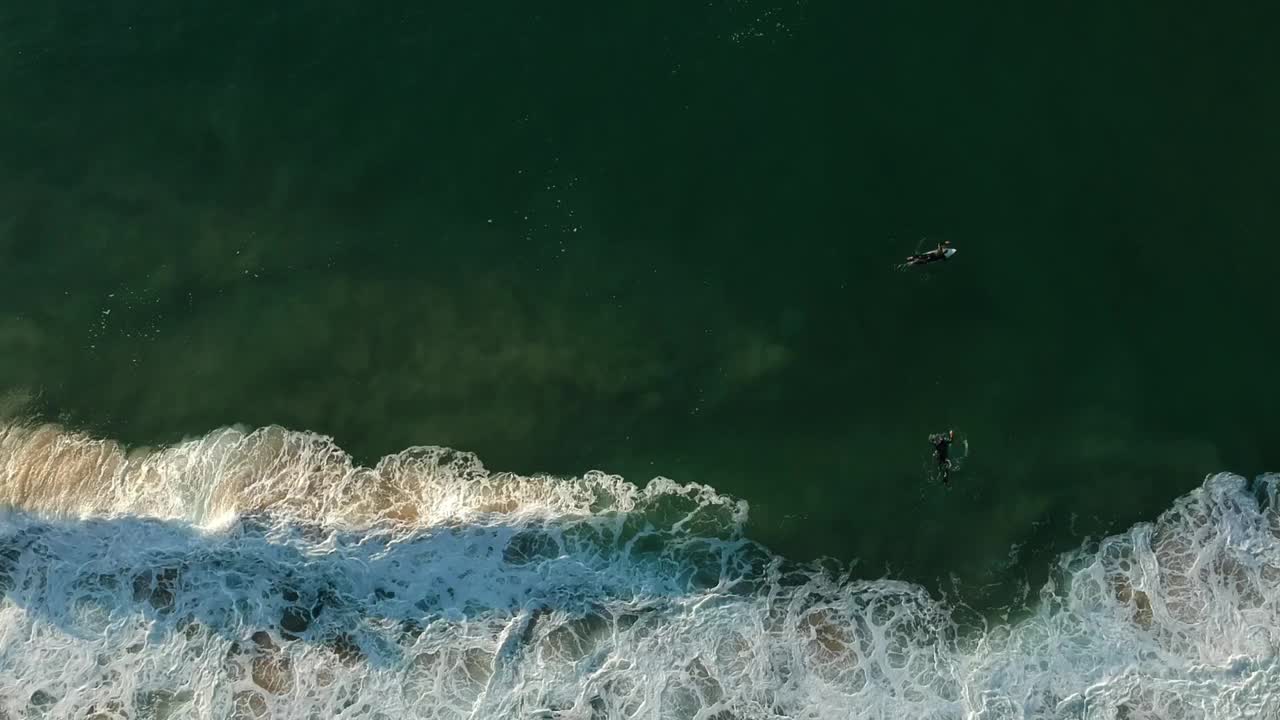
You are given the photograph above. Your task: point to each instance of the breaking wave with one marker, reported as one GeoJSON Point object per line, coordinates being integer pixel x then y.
{"type": "Point", "coordinates": [256, 574]}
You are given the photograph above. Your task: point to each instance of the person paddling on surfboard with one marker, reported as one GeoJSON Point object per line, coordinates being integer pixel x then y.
{"type": "Point", "coordinates": [942, 252]}
{"type": "Point", "coordinates": [941, 453]}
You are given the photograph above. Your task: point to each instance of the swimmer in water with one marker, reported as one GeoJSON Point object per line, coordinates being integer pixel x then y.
{"type": "Point", "coordinates": [942, 252]}
{"type": "Point", "coordinates": [941, 453]}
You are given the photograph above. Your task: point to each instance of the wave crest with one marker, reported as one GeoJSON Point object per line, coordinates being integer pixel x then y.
{"type": "Point", "coordinates": [264, 574]}
{"type": "Point", "coordinates": [49, 470]}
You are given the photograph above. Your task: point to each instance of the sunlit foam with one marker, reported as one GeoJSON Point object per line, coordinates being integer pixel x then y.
{"type": "Point", "coordinates": [263, 574]}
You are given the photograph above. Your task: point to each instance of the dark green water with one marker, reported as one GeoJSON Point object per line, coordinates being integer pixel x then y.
{"type": "Point", "coordinates": [659, 238]}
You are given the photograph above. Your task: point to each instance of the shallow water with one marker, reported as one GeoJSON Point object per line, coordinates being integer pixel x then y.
{"type": "Point", "coordinates": [263, 574]}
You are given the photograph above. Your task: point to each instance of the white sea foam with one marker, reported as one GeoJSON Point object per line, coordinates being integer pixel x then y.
{"type": "Point", "coordinates": [263, 574]}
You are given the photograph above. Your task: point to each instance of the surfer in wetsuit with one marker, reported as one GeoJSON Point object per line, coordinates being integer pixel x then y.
{"type": "Point", "coordinates": [941, 453]}
{"type": "Point", "coordinates": [942, 252]}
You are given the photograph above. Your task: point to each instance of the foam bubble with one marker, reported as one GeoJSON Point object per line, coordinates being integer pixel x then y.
{"type": "Point", "coordinates": [263, 574]}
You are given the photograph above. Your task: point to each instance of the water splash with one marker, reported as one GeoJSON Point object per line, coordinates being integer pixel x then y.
{"type": "Point", "coordinates": [264, 574]}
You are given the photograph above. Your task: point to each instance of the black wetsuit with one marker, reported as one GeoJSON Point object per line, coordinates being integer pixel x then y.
{"type": "Point", "coordinates": [941, 451]}
{"type": "Point", "coordinates": [929, 257]}
{"type": "Point", "coordinates": [925, 258]}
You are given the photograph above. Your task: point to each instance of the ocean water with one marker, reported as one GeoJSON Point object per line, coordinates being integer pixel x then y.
{"type": "Point", "coordinates": [261, 573]}
{"type": "Point", "coordinates": [518, 361]}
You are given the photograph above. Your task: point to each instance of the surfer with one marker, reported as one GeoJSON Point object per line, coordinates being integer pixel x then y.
{"type": "Point", "coordinates": [942, 252]}
{"type": "Point", "coordinates": [941, 453]}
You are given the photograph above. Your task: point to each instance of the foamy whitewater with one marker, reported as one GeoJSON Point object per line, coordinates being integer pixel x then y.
{"type": "Point", "coordinates": [262, 574]}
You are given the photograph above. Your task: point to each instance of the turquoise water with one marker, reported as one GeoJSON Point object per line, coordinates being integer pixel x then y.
{"type": "Point", "coordinates": [653, 240]}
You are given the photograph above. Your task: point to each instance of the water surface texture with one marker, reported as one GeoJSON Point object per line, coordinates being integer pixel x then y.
{"type": "Point", "coordinates": [269, 275]}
